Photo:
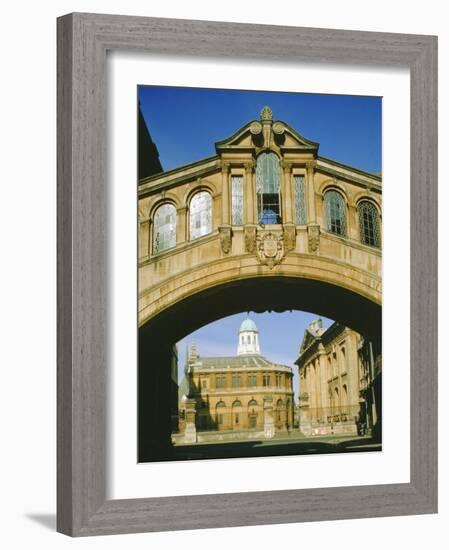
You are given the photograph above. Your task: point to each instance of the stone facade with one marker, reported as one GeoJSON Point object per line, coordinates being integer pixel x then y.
{"type": "Point", "coordinates": [260, 207]}
{"type": "Point", "coordinates": [337, 380]}
{"type": "Point", "coordinates": [265, 224]}
{"type": "Point", "coordinates": [237, 397]}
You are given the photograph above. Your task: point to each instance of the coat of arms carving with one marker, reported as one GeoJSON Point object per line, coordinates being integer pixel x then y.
{"type": "Point", "coordinates": [270, 249]}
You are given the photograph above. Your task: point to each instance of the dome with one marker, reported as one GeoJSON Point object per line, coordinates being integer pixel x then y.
{"type": "Point", "coordinates": [248, 325]}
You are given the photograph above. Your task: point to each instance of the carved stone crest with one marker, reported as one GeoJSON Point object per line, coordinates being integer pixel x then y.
{"type": "Point", "coordinates": [250, 238]}
{"type": "Point", "coordinates": [289, 237]}
{"type": "Point", "coordinates": [270, 249]}
{"type": "Point", "coordinates": [313, 231]}
{"type": "Point", "coordinates": [225, 238]}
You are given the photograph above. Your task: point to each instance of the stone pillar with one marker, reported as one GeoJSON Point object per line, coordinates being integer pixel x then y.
{"type": "Point", "coordinates": [287, 203]}
{"type": "Point", "coordinates": [311, 210]}
{"type": "Point", "coordinates": [181, 221]}
{"type": "Point", "coordinates": [268, 421]}
{"type": "Point", "coordinates": [353, 223]}
{"type": "Point", "coordinates": [249, 196]}
{"type": "Point", "coordinates": [225, 218]}
{"type": "Point", "coordinates": [190, 429]}
{"type": "Point", "coordinates": [313, 229]}
{"type": "Point", "coordinates": [144, 239]}
{"type": "Point", "coordinates": [323, 380]}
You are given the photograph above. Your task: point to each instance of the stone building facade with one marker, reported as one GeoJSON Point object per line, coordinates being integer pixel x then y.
{"type": "Point", "coordinates": [264, 224]}
{"type": "Point", "coordinates": [265, 203]}
{"type": "Point", "coordinates": [339, 382]}
{"type": "Point", "coordinates": [237, 397]}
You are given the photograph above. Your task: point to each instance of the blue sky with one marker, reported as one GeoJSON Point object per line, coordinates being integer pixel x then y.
{"type": "Point", "coordinates": [185, 123]}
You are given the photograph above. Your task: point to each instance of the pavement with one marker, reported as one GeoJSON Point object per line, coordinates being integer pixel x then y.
{"type": "Point", "coordinates": [276, 447]}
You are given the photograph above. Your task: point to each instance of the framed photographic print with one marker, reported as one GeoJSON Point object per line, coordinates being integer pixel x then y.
{"type": "Point", "coordinates": [247, 230]}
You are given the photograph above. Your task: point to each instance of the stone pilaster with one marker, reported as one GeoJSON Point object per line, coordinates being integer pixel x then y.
{"type": "Point", "coordinates": [311, 210]}
{"type": "Point", "coordinates": [190, 429]}
{"type": "Point", "coordinates": [181, 221]}
{"type": "Point", "coordinates": [268, 420]}
{"type": "Point", "coordinates": [144, 239]}
{"type": "Point", "coordinates": [225, 168]}
{"type": "Point", "coordinates": [286, 195]}
{"type": "Point", "coordinates": [249, 195]}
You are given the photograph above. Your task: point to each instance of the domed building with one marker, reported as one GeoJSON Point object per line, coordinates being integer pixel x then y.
{"type": "Point", "coordinates": [245, 396]}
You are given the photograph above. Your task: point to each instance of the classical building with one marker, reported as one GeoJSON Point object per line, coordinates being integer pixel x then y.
{"type": "Point", "coordinates": [339, 382]}
{"type": "Point", "coordinates": [266, 223]}
{"type": "Point", "coordinates": [237, 397]}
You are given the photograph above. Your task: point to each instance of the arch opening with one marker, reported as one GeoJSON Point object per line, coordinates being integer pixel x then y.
{"type": "Point", "coordinates": [158, 336]}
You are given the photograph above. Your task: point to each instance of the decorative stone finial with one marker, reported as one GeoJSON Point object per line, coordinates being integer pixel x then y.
{"type": "Point", "coordinates": [266, 113]}
{"type": "Point", "coordinates": [193, 355]}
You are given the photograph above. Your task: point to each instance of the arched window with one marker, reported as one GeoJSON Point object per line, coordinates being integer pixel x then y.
{"type": "Point", "coordinates": [252, 403]}
{"type": "Point", "coordinates": [335, 210]}
{"type": "Point", "coordinates": [164, 228]}
{"type": "Point", "coordinates": [369, 224]}
{"type": "Point", "coordinates": [200, 214]}
{"type": "Point", "coordinates": [268, 178]}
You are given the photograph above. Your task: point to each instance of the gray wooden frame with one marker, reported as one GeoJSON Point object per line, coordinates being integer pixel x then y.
{"type": "Point", "coordinates": [83, 40]}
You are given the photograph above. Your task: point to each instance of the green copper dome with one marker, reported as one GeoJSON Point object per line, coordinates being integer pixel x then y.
{"type": "Point", "coordinates": [248, 325]}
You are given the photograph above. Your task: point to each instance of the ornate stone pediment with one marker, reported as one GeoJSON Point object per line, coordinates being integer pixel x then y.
{"type": "Point", "coordinates": [265, 133]}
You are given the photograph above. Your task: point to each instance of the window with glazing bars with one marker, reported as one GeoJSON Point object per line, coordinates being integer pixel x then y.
{"type": "Point", "coordinates": [200, 214]}
{"type": "Point", "coordinates": [237, 200]}
{"type": "Point", "coordinates": [335, 209]}
{"type": "Point", "coordinates": [369, 224]}
{"type": "Point", "coordinates": [252, 380]}
{"type": "Point", "coordinates": [236, 381]}
{"type": "Point", "coordinates": [300, 199]}
{"type": "Point", "coordinates": [268, 179]}
{"type": "Point", "coordinates": [164, 228]}
{"type": "Point", "coordinates": [220, 382]}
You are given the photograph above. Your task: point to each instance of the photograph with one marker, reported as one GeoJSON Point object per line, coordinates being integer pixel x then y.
{"type": "Point", "coordinates": [259, 304]}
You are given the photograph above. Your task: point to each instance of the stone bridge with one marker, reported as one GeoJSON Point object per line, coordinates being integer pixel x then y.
{"type": "Point", "coordinates": [265, 224]}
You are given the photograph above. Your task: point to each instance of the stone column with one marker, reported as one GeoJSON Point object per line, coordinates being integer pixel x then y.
{"type": "Point", "coordinates": [181, 220]}
{"type": "Point", "coordinates": [287, 204]}
{"type": "Point", "coordinates": [225, 219]}
{"type": "Point", "coordinates": [268, 424]}
{"type": "Point", "coordinates": [144, 239]}
{"type": "Point", "coordinates": [323, 380]}
{"type": "Point", "coordinates": [190, 430]}
{"type": "Point", "coordinates": [225, 229]}
{"type": "Point", "coordinates": [313, 229]}
{"type": "Point", "coordinates": [249, 197]}
{"type": "Point", "coordinates": [352, 223]}
{"type": "Point", "coordinates": [311, 210]}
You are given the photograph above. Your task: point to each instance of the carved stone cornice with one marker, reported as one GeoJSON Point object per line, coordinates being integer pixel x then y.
{"type": "Point", "coordinates": [249, 166]}
{"type": "Point", "coordinates": [225, 167]}
{"type": "Point", "coordinates": [287, 166]}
